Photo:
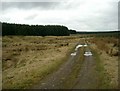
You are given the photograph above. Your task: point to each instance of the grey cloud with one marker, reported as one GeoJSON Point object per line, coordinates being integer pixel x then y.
{"type": "Point", "coordinates": [79, 15]}
{"type": "Point", "coordinates": [33, 16]}
{"type": "Point", "coordinates": [29, 5]}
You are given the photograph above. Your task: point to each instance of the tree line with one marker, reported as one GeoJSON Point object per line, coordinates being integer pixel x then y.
{"type": "Point", "coordinates": [35, 30]}
{"type": "Point", "coordinates": [46, 30]}
{"type": "Point", "coordinates": [102, 34]}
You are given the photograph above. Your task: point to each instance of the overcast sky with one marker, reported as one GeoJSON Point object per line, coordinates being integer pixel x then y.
{"type": "Point", "coordinates": [75, 14]}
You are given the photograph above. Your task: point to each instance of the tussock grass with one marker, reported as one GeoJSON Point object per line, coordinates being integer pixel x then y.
{"type": "Point", "coordinates": [28, 59]}
{"type": "Point", "coordinates": [107, 44]}
{"type": "Point", "coordinates": [104, 80]}
{"type": "Point", "coordinates": [107, 62]}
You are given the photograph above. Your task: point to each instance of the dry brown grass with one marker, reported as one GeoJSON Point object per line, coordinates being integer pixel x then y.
{"type": "Point", "coordinates": [107, 48]}
{"type": "Point", "coordinates": [27, 59]}
{"type": "Point", "coordinates": [107, 44]}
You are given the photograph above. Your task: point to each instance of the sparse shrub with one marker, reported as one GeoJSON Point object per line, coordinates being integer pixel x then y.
{"type": "Point", "coordinates": [115, 45]}
{"type": "Point", "coordinates": [107, 52]}
{"type": "Point", "coordinates": [16, 53]}
{"type": "Point", "coordinates": [6, 59]}
{"type": "Point", "coordinates": [58, 50]}
{"type": "Point", "coordinates": [66, 44]}
{"type": "Point", "coordinates": [4, 45]}
{"type": "Point", "coordinates": [20, 50]}
{"type": "Point", "coordinates": [61, 45]}
{"type": "Point", "coordinates": [26, 49]}
{"type": "Point", "coordinates": [33, 49]}
{"type": "Point", "coordinates": [108, 41]}
{"type": "Point", "coordinates": [116, 54]}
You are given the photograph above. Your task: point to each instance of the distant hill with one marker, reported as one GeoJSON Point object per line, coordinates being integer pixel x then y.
{"type": "Point", "coordinates": [101, 34]}
{"type": "Point", "coordinates": [104, 32]}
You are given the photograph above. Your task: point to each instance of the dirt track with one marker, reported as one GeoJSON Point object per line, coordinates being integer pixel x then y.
{"type": "Point", "coordinates": [86, 77]}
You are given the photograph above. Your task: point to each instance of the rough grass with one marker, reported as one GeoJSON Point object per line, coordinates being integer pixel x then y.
{"type": "Point", "coordinates": [107, 44]}
{"type": "Point", "coordinates": [107, 62]}
{"type": "Point", "coordinates": [104, 80]}
{"type": "Point", "coordinates": [28, 59]}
